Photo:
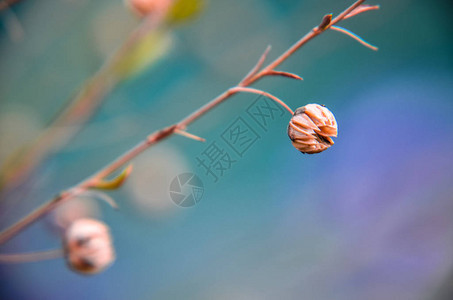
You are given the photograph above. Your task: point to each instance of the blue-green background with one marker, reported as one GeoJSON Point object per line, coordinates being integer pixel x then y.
{"type": "Point", "coordinates": [370, 218]}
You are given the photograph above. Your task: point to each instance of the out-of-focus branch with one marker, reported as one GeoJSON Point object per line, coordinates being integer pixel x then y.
{"type": "Point", "coordinates": [7, 3]}
{"type": "Point", "coordinates": [77, 111]}
{"type": "Point", "coordinates": [31, 256]}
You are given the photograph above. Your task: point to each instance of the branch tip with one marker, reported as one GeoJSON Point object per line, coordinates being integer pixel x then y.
{"type": "Point", "coordinates": [354, 36]}
{"type": "Point", "coordinates": [285, 74]}
{"type": "Point", "coordinates": [360, 9]}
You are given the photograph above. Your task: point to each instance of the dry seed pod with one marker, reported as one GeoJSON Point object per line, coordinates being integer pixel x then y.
{"type": "Point", "coordinates": [88, 246]}
{"type": "Point", "coordinates": [78, 208]}
{"type": "Point", "coordinates": [311, 128]}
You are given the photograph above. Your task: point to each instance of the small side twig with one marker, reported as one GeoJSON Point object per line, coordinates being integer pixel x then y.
{"type": "Point", "coordinates": [354, 36]}
{"type": "Point", "coordinates": [257, 67]}
{"type": "Point", "coordinates": [189, 135]}
{"type": "Point", "coordinates": [285, 74]}
{"type": "Point", "coordinates": [360, 9]}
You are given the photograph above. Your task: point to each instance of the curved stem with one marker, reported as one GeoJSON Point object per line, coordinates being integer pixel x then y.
{"type": "Point", "coordinates": [31, 256]}
{"type": "Point", "coordinates": [260, 92]}
{"type": "Point", "coordinates": [164, 133]}
{"type": "Point", "coordinates": [354, 36]}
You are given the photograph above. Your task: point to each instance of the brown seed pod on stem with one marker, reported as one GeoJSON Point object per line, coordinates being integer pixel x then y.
{"type": "Point", "coordinates": [311, 128]}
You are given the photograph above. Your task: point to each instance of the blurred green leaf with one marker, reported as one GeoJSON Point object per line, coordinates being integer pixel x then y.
{"type": "Point", "coordinates": [183, 10]}
{"type": "Point", "coordinates": [144, 53]}
{"type": "Point", "coordinates": [114, 183]}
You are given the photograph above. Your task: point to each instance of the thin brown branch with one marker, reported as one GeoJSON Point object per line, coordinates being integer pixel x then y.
{"type": "Point", "coordinates": [162, 134]}
{"type": "Point", "coordinates": [38, 213]}
{"type": "Point", "coordinates": [309, 36]}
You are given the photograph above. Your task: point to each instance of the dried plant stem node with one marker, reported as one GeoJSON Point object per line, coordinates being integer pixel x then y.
{"type": "Point", "coordinates": [311, 128]}
{"type": "Point", "coordinates": [88, 246]}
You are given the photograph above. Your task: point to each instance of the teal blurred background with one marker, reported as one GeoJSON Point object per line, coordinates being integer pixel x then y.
{"type": "Point", "coordinates": [370, 218]}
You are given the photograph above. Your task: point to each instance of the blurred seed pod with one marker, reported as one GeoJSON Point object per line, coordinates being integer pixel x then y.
{"type": "Point", "coordinates": [67, 213]}
{"type": "Point", "coordinates": [88, 246]}
{"type": "Point", "coordinates": [148, 185]}
{"type": "Point", "coordinates": [311, 128]}
{"type": "Point", "coordinates": [145, 7]}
